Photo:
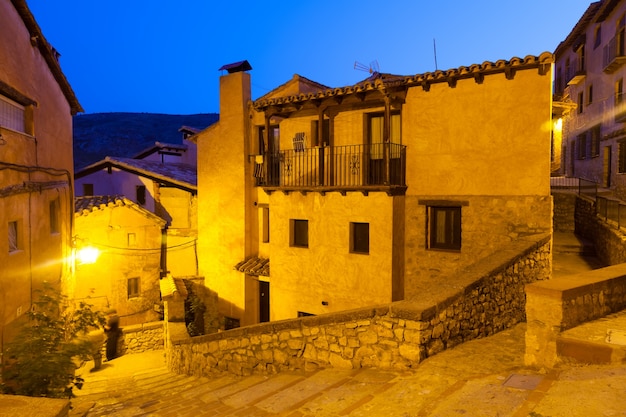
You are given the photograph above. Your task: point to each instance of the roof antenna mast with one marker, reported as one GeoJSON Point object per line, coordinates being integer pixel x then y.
{"type": "Point", "coordinates": [435, 52]}
{"type": "Point", "coordinates": [372, 68]}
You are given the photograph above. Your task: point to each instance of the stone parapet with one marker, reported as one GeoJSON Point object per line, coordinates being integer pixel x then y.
{"type": "Point", "coordinates": [560, 304]}
{"type": "Point", "coordinates": [141, 338]}
{"type": "Point", "coordinates": [482, 300]}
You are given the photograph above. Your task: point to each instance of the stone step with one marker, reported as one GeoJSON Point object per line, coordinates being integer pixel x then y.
{"type": "Point", "coordinates": [160, 392]}
{"type": "Point", "coordinates": [601, 341]}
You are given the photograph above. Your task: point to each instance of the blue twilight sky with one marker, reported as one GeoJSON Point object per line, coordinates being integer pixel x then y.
{"type": "Point", "coordinates": [162, 56]}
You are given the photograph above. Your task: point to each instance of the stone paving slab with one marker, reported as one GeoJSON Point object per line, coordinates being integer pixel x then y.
{"type": "Point", "coordinates": [483, 377]}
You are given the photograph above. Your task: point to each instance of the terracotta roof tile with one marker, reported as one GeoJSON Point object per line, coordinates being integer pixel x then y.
{"type": "Point", "coordinates": [254, 266]}
{"type": "Point", "coordinates": [376, 81]}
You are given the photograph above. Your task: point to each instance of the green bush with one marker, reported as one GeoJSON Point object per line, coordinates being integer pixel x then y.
{"type": "Point", "coordinates": [43, 358]}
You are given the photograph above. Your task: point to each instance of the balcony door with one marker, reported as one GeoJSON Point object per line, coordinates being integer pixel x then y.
{"type": "Point", "coordinates": [376, 147]}
{"type": "Point", "coordinates": [272, 145]}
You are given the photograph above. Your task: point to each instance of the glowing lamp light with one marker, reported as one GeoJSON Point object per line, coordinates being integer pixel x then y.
{"type": "Point", "coordinates": [87, 255]}
{"type": "Point", "coordinates": [558, 125]}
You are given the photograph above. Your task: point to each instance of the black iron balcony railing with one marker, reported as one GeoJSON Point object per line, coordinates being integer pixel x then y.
{"type": "Point", "coordinates": [576, 71]}
{"type": "Point", "coordinates": [352, 167]}
{"type": "Point", "coordinates": [613, 53]}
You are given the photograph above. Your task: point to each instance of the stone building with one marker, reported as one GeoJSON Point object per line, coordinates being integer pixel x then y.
{"type": "Point", "coordinates": [330, 199]}
{"type": "Point", "coordinates": [36, 168]}
{"type": "Point", "coordinates": [589, 91]}
{"type": "Point", "coordinates": [128, 269]}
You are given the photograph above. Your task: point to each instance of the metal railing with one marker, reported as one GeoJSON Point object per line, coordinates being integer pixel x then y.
{"type": "Point", "coordinates": [582, 186]}
{"type": "Point", "coordinates": [350, 166]}
{"type": "Point", "coordinates": [611, 209]}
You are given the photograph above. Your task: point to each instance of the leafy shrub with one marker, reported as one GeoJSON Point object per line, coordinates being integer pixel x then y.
{"type": "Point", "coordinates": [43, 358]}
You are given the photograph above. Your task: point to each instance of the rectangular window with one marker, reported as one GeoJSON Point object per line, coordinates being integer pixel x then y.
{"type": "Point", "coordinates": [597, 39]}
{"type": "Point", "coordinates": [580, 102]}
{"type": "Point", "coordinates": [14, 242]}
{"type": "Point", "coordinates": [299, 233]}
{"type": "Point", "coordinates": [132, 240]}
{"type": "Point", "coordinates": [12, 115]}
{"type": "Point", "coordinates": [266, 224]}
{"type": "Point", "coordinates": [445, 228]}
{"type": "Point", "coordinates": [359, 238]}
{"type": "Point", "coordinates": [595, 141]}
{"type": "Point", "coordinates": [619, 91]}
{"type": "Point", "coordinates": [87, 189]}
{"type": "Point", "coordinates": [316, 140]}
{"type": "Point", "coordinates": [133, 287]}
{"type": "Point", "coordinates": [141, 194]}
{"type": "Point", "coordinates": [55, 226]}
{"type": "Point", "coordinates": [621, 163]}
{"type": "Point", "coordinates": [581, 145]}
{"type": "Point", "coordinates": [589, 94]}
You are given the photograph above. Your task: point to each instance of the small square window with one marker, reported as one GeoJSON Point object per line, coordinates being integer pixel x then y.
{"type": "Point", "coordinates": [133, 287]}
{"type": "Point", "coordinates": [132, 240]}
{"type": "Point", "coordinates": [299, 233]}
{"type": "Point", "coordinates": [141, 194]}
{"type": "Point", "coordinates": [87, 189]}
{"type": "Point", "coordinates": [13, 237]}
{"type": "Point", "coordinates": [445, 228]}
{"type": "Point", "coordinates": [360, 237]}
{"type": "Point", "coordinates": [54, 216]}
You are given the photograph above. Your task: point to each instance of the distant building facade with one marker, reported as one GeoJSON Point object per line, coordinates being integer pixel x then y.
{"type": "Point", "coordinates": [589, 93]}
{"type": "Point", "coordinates": [36, 167]}
{"type": "Point", "coordinates": [315, 199]}
{"type": "Point", "coordinates": [163, 186]}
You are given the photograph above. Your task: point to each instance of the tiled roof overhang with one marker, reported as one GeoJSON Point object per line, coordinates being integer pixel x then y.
{"type": "Point", "coordinates": [46, 51]}
{"type": "Point", "coordinates": [172, 174]}
{"type": "Point", "coordinates": [476, 71]}
{"type": "Point", "coordinates": [254, 266]}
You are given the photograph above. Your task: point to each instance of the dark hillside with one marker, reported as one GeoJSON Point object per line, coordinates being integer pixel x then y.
{"type": "Point", "coordinates": [98, 135]}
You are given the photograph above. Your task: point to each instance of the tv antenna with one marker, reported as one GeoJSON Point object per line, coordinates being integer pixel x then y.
{"type": "Point", "coordinates": [372, 68]}
{"type": "Point", "coordinates": [435, 53]}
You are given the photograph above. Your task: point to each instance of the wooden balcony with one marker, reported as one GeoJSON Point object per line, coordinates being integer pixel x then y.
{"type": "Point", "coordinates": [379, 167]}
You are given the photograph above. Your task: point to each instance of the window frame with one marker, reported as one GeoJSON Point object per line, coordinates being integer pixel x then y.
{"type": "Point", "coordinates": [140, 194]}
{"type": "Point", "coordinates": [13, 236]}
{"type": "Point", "coordinates": [133, 287]}
{"type": "Point", "coordinates": [7, 118]}
{"type": "Point", "coordinates": [55, 216]}
{"type": "Point", "coordinates": [357, 244]}
{"type": "Point", "coordinates": [452, 227]}
{"type": "Point", "coordinates": [296, 227]}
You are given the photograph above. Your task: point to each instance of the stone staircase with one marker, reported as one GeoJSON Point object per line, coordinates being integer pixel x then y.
{"type": "Point", "coordinates": [133, 385]}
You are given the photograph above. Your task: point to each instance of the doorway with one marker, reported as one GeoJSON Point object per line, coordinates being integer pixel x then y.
{"type": "Point", "coordinates": [264, 301]}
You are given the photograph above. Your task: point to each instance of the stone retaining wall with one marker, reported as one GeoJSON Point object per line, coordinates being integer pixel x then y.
{"type": "Point", "coordinates": [139, 338]}
{"type": "Point", "coordinates": [560, 304]}
{"type": "Point", "coordinates": [480, 301]}
{"type": "Point", "coordinates": [564, 209]}
{"type": "Point", "coordinates": [609, 242]}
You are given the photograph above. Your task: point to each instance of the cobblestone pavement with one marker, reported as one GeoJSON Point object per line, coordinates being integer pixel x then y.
{"type": "Point", "coordinates": [484, 377]}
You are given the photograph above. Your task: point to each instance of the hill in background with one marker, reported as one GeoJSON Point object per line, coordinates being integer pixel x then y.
{"type": "Point", "coordinates": [98, 135]}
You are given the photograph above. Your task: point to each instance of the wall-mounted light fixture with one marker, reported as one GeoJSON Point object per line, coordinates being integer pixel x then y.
{"type": "Point", "coordinates": [85, 254]}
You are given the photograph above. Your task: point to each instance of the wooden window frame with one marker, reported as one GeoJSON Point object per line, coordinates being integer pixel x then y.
{"type": "Point", "coordinates": [299, 233]}
{"type": "Point", "coordinates": [360, 238]}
